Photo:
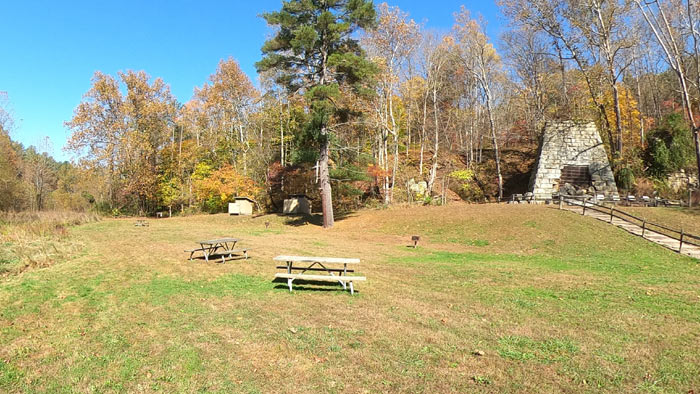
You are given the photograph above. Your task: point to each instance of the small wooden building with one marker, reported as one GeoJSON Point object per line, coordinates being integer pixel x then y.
{"type": "Point", "coordinates": [241, 206]}
{"type": "Point", "coordinates": [297, 204]}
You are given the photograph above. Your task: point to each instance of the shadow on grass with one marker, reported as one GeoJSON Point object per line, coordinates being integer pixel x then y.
{"type": "Point", "coordinates": [313, 219]}
{"type": "Point", "coordinates": [310, 285]}
{"type": "Point", "coordinates": [216, 258]}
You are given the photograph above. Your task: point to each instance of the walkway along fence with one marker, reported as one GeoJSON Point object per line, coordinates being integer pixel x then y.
{"type": "Point", "coordinates": [587, 203]}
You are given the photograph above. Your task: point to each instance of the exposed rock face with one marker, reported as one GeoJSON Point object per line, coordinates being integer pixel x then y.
{"type": "Point", "coordinates": [680, 180]}
{"type": "Point", "coordinates": [567, 144]}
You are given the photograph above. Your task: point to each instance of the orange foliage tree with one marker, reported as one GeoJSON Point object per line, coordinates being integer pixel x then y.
{"type": "Point", "coordinates": [215, 188]}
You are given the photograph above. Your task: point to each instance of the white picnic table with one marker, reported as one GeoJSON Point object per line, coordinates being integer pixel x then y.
{"type": "Point", "coordinates": [212, 246]}
{"type": "Point", "coordinates": [318, 264]}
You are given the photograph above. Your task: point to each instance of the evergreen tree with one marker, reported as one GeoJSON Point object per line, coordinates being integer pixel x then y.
{"type": "Point", "coordinates": [314, 52]}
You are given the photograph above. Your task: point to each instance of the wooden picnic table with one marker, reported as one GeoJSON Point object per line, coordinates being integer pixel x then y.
{"type": "Point", "coordinates": [213, 246]}
{"type": "Point", "coordinates": [318, 264]}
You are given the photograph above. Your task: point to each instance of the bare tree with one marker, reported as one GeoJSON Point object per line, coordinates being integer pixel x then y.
{"type": "Point", "coordinates": [391, 44]}
{"type": "Point", "coordinates": [480, 59]}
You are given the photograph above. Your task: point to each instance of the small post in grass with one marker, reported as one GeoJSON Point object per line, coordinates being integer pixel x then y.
{"type": "Point", "coordinates": [584, 205]}
{"type": "Point", "coordinates": [612, 213]}
{"type": "Point", "coordinates": [267, 225]}
{"type": "Point", "coordinates": [415, 240]}
{"type": "Point", "coordinates": [680, 247]}
{"type": "Point", "coordinates": [644, 228]}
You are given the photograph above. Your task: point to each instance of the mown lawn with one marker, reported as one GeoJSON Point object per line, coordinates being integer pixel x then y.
{"type": "Point", "coordinates": [495, 299]}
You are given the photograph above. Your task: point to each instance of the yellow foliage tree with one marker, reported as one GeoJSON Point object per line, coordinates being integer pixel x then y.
{"type": "Point", "coordinates": [630, 119]}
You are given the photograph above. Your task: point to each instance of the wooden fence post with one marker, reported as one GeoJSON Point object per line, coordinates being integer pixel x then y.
{"type": "Point", "coordinates": [680, 247]}
{"type": "Point", "coordinates": [584, 205]}
{"type": "Point", "coordinates": [561, 201]}
{"type": "Point", "coordinates": [612, 213]}
{"type": "Point", "coordinates": [644, 228]}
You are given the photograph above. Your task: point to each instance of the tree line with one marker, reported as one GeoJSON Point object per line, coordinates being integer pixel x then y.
{"type": "Point", "coordinates": [357, 103]}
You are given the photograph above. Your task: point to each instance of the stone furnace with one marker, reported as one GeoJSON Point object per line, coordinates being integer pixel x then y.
{"type": "Point", "coordinates": [572, 157]}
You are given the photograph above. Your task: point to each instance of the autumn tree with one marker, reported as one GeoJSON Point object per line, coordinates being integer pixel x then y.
{"type": "Point", "coordinates": [480, 59]}
{"type": "Point", "coordinates": [390, 44]}
{"type": "Point", "coordinates": [566, 24]}
{"type": "Point", "coordinates": [122, 135]}
{"type": "Point", "coordinates": [39, 174]}
{"type": "Point", "coordinates": [314, 52]}
{"type": "Point", "coordinates": [226, 103]}
{"type": "Point", "coordinates": [217, 187]}
{"type": "Point", "coordinates": [98, 125]}
{"type": "Point", "coordinates": [10, 174]}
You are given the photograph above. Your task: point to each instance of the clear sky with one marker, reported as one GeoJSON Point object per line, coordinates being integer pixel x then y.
{"type": "Point", "coordinates": [50, 49]}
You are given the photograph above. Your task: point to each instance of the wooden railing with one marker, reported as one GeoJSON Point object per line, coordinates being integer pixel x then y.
{"type": "Point", "coordinates": [588, 203]}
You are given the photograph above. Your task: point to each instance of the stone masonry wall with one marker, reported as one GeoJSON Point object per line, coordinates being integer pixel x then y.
{"type": "Point", "coordinates": [570, 143]}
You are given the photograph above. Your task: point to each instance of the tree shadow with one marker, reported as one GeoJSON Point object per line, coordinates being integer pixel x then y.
{"type": "Point", "coordinates": [313, 219]}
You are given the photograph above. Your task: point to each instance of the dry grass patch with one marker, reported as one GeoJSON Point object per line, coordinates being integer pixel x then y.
{"type": "Point", "coordinates": [37, 239]}
{"type": "Point", "coordinates": [676, 218]}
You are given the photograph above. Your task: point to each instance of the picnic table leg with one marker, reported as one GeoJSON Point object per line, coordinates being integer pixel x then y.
{"type": "Point", "coordinates": [345, 272]}
{"type": "Point", "coordinates": [352, 290]}
{"type": "Point", "coordinates": [230, 254]}
{"type": "Point", "coordinates": [289, 267]}
{"type": "Point", "coordinates": [289, 283]}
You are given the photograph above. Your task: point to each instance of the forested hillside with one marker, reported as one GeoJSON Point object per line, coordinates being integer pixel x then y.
{"type": "Point", "coordinates": [364, 103]}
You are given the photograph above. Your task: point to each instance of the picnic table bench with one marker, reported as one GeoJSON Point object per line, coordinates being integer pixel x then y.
{"type": "Point", "coordinates": [219, 247]}
{"type": "Point", "coordinates": [318, 264]}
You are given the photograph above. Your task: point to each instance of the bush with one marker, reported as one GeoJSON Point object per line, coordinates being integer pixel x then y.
{"type": "Point", "coordinates": [625, 178]}
{"type": "Point", "coordinates": [670, 147]}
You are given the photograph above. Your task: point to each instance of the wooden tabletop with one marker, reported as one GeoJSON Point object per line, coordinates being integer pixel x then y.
{"type": "Point", "coordinates": [311, 259]}
{"type": "Point", "coordinates": [218, 241]}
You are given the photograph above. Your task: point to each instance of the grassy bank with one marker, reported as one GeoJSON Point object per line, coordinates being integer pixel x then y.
{"type": "Point", "coordinates": [686, 218]}
{"type": "Point", "coordinates": [38, 239]}
{"type": "Point", "coordinates": [495, 299]}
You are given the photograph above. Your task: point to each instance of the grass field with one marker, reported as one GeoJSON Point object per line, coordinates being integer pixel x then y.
{"type": "Point", "coordinates": [495, 299]}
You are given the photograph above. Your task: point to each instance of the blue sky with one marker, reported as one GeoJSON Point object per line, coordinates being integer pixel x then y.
{"type": "Point", "coordinates": [49, 50]}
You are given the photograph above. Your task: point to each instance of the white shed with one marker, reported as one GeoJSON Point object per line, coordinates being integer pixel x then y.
{"type": "Point", "coordinates": [297, 204]}
{"type": "Point", "coordinates": [241, 206]}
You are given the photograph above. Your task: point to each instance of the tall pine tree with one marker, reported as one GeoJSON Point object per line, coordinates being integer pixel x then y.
{"type": "Point", "coordinates": [314, 52]}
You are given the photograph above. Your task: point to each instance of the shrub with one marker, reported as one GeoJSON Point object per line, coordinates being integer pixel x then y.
{"type": "Point", "coordinates": [669, 147]}
{"type": "Point", "coordinates": [625, 178]}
